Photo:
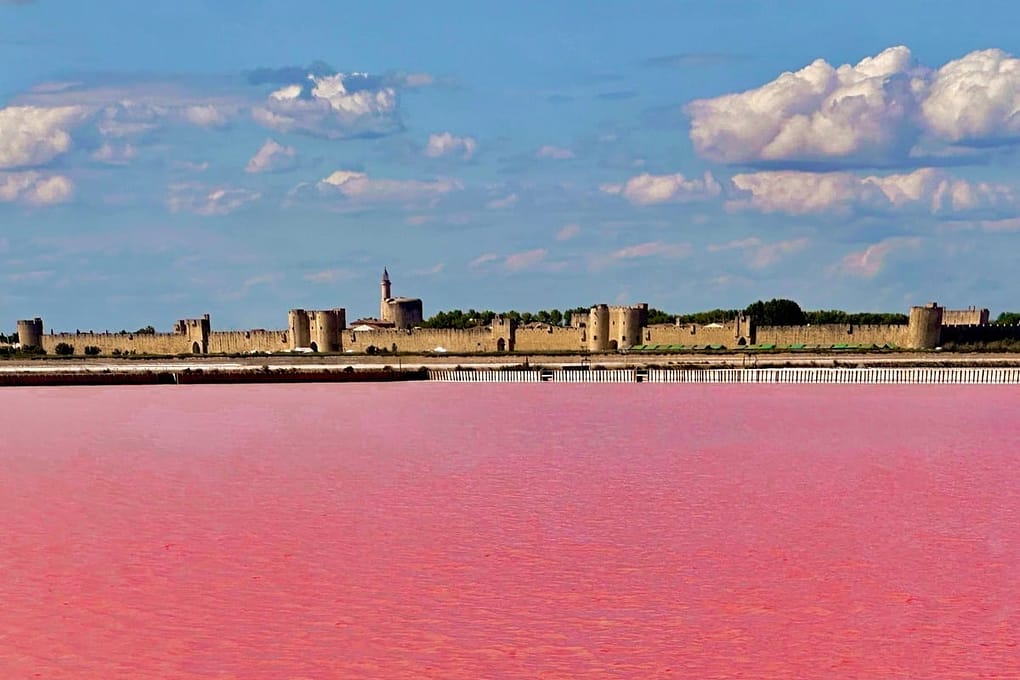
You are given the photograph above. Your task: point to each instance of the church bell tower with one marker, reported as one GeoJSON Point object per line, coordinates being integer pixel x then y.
{"type": "Point", "coordinates": [384, 308]}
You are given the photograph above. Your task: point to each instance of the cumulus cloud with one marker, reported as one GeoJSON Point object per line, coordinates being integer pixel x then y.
{"type": "Point", "coordinates": [33, 135]}
{"type": "Point", "coordinates": [129, 107]}
{"type": "Point", "coordinates": [646, 189]}
{"type": "Point", "coordinates": [568, 232]}
{"type": "Point", "coordinates": [926, 189]}
{"type": "Point", "coordinates": [867, 263]}
{"type": "Point", "coordinates": [554, 152]}
{"type": "Point", "coordinates": [272, 157]}
{"type": "Point", "coordinates": [760, 254]}
{"type": "Point", "coordinates": [206, 115]}
{"type": "Point", "coordinates": [446, 144]}
{"type": "Point", "coordinates": [975, 98]}
{"type": "Point", "coordinates": [333, 106]}
{"type": "Point", "coordinates": [35, 188]}
{"type": "Point", "coordinates": [883, 109]}
{"type": "Point", "coordinates": [207, 201]}
{"type": "Point", "coordinates": [359, 186]}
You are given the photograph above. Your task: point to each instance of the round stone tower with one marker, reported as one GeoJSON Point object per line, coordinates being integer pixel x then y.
{"type": "Point", "coordinates": [30, 332]}
{"type": "Point", "coordinates": [328, 324]}
{"type": "Point", "coordinates": [632, 321]}
{"type": "Point", "coordinates": [925, 327]}
{"type": "Point", "coordinates": [598, 328]}
{"type": "Point", "coordinates": [297, 323]}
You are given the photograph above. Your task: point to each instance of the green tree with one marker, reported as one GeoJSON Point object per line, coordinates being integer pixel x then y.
{"type": "Point", "coordinates": [63, 349]}
{"type": "Point", "coordinates": [148, 330]}
{"type": "Point", "coordinates": [1008, 318]}
{"type": "Point", "coordinates": [776, 312]}
{"type": "Point", "coordinates": [656, 316]}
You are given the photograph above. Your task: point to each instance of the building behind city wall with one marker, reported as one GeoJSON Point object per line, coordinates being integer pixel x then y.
{"type": "Point", "coordinates": [603, 328]}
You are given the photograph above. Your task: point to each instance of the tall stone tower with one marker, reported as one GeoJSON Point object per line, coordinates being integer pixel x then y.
{"type": "Point", "coordinates": [30, 332]}
{"type": "Point", "coordinates": [925, 326]}
{"type": "Point", "coordinates": [384, 308]}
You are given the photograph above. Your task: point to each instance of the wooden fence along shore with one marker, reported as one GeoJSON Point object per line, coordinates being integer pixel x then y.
{"type": "Point", "coordinates": [833, 376]}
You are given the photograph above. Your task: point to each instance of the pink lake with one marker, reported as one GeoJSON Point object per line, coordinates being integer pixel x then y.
{"type": "Point", "coordinates": [429, 530]}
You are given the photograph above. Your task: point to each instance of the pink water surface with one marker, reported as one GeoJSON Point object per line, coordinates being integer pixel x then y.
{"type": "Point", "coordinates": [486, 531]}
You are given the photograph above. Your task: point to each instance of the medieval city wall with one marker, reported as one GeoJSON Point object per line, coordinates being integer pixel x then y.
{"type": "Point", "coordinates": [239, 342]}
{"type": "Point", "coordinates": [691, 334]}
{"type": "Point", "coordinates": [420, 340]}
{"type": "Point", "coordinates": [976, 334]}
{"type": "Point", "coordinates": [834, 334]}
{"type": "Point", "coordinates": [964, 317]}
{"type": "Point", "coordinates": [550, 339]}
{"type": "Point", "coordinates": [139, 343]}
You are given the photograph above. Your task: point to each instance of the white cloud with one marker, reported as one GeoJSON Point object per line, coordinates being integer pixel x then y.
{"type": "Point", "coordinates": [867, 263]}
{"type": "Point", "coordinates": [207, 201]}
{"type": "Point", "coordinates": [483, 259]}
{"type": "Point", "coordinates": [35, 188]}
{"type": "Point", "coordinates": [651, 249]}
{"type": "Point", "coordinates": [334, 107]}
{"type": "Point", "coordinates": [272, 157]}
{"type": "Point", "coordinates": [33, 135]}
{"type": "Point", "coordinates": [648, 189]}
{"type": "Point", "coordinates": [568, 232]}
{"type": "Point", "coordinates": [446, 144]}
{"type": "Point", "coordinates": [114, 154]}
{"type": "Point", "coordinates": [554, 152]}
{"type": "Point", "coordinates": [415, 80]}
{"type": "Point", "coordinates": [331, 276]}
{"type": "Point", "coordinates": [132, 108]}
{"type": "Point", "coordinates": [500, 203]}
{"type": "Point", "coordinates": [430, 271]}
{"type": "Point", "coordinates": [524, 260]}
{"type": "Point", "coordinates": [514, 262]}
{"type": "Point", "coordinates": [883, 108]}
{"type": "Point", "coordinates": [976, 97]}
{"type": "Point", "coordinates": [926, 189]}
{"type": "Point", "coordinates": [359, 186]}
{"type": "Point", "coordinates": [206, 115]}
{"type": "Point", "coordinates": [759, 254]}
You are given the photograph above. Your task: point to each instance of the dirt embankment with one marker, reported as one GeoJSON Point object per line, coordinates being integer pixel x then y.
{"type": "Point", "coordinates": [203, 377]}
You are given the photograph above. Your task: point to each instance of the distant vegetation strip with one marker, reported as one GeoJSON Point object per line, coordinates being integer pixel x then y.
{"type": "Point", "coordinates": [774, 312]}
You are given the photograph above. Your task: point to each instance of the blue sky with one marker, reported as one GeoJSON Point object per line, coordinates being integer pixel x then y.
{"type": "Point", "coordinates": [163, 160]}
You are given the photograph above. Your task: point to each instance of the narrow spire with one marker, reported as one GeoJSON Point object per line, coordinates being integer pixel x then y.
{"type": "Point", "coordinates": [385, 275]}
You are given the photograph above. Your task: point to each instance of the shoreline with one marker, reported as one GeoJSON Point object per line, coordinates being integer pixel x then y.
{"type": "Point", "coordinates": [349, 369]}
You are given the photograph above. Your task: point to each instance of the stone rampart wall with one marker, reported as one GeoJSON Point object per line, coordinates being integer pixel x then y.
{"type": "Point", "coordinates": [553, 338]}
{"type": "Point", "coordinates": [964, 317]}
{"type": "Point", "coordinates": [834, 334]}
{"type": "Point", "coordinates": [420, 340]}
{"type": "Point", "coordinates": [976, 334]}
{"type": "Point", "coordinates": [689, 334]}
{"type": "Point", "coordinates": [139, 343]}
{"type": "Point", "coordinates": [239, 342]}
